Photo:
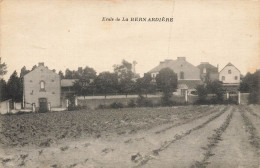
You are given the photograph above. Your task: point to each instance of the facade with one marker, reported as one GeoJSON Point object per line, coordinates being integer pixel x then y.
{"type": "Point", "coordinates": [230, 77]}
{"type": "Point", "coordinates": [208, 72]}
{"type": "Point", "coordinates": [186, 72]}
{"type": "Point", "coordinates": [42, 89]}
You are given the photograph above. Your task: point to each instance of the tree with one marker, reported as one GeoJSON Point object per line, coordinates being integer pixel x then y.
{"type": "Point", "coordinates": [202, 93]}
{"type": "Point", "coordinates": [106, 82]}
{"type": "Point", "coordinates": [125, 76]}
{"type": "Point", "coordinates": [215, 88]}
{"type": "Point", "coordinates": [3, 68]}
{"type": "Point", "coordinates": [254, 95]}
{"type": "Point", "coordinates": [247, 83]}
{"type": "Point", "coordinates": [61, 75]}
{"type": "Point", "coordinates": [86, 76]}
{"type": "Point", "coordinates": [145, 85]}
{"type": "Point", "coordinates": [3, 90]}
{"type": "Point", "coordinates": [24, 71]}
{"type": "Point", "coordinates": [167, 82]}
{"type": "Point", "coordinates": [14, 88]}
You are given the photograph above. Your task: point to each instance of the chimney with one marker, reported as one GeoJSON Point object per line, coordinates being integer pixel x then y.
{"type": "Point", "coordinates": [181, 58]}
{"type": "Point", "coordinates": [41, 64]}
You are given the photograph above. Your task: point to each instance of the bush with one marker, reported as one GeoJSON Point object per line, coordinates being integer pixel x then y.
{"type": "Point", "coordinates": [116, 105]}
{"type": "Point", "coordinates": [131, 104]}
{"type": "Point", "coordinates": [73, 108]}
{"type": "Point", "coordinates": [144, 102]}
{"type": "Point", "coordinates": [202, 93]}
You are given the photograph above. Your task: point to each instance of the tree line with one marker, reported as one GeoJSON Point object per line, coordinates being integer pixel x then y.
{"type": "Point", "coordinates": [124, 81]}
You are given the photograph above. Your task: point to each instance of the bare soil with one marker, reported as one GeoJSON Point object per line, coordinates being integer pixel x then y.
{"type": "Point", "coordinates": [184, 136]}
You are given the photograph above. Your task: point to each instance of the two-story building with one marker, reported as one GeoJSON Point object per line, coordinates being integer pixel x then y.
{"type": "Point", "coordinates": [230, 77]}
{"type": "Point", "coordinates": [42, 89]}
{"type": "Point", "coordinates": [208, 72]}
{"type": "Point", "coordinates": [188, 74]}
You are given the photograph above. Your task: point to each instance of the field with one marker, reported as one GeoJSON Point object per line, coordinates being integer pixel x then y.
{"type": "Point", "coordinates": [183, 136]}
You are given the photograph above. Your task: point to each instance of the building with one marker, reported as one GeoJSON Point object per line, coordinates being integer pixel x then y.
{"type": "Point", "coordinates": [188, 74]}
{"type": "Point", "coordinates": [230, 77]}
{"type": "Point", "coordinates": [208, 72]}
{"type": "Point", "coordinates": [42, 89]}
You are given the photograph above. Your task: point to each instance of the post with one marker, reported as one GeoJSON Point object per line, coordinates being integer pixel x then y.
{"type": "Point", "coordinates": [49, 106]}
{"type": "Point", "coordinates": [67, 103]}
{"type": "Point", "coordinates": [8, 106]}
{"type": "Point", "coordinates": [186, 96]}
{"type": "Point", "coordinates": [227, 95]}
{"type": "Point", "coordinates": [15, 105]}
{"type": "Point", "coordinates": [33, 107]}
{"type": "Point", "coordinates": [238, 97]}
{"type": "Point", "coordinates": [76, 101]}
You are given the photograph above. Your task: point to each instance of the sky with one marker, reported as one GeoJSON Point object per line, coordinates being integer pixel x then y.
{"type": "Point", "coordinates": [71, 34]}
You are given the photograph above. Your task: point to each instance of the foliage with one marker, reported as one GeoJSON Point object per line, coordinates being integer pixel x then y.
{"type": "Point", "coordinates": [116, 105]}
{"type": "Point", "coordinates": [166, 81]}
{"type": "Point", "coordinates": [202, 93]}
{"type": "Point", "coordinates": [145, 85]}
{"type": "Point", "coordinates": [144, 102]}
{"type": "Point", "coordinates": [61, 75]}
{"type": "Point", "coordinates": [247, 83]}
{"type": "Point", "coordinates": [215, 88]}
{"type": "Point", "coordinates": [3, 90]}
{"type": "Point", "coordinates": [125, 77]}
{"type": "Point", "coordinates": [84, 86]}
{"type": "Point", "coordinates": [106, 82]}
{"type": "Point", "coordinates": [3, 68]}
{"type": "Point", "coordinates": [254, 96]}
{"type": "Point", "coordinates": [14, 88]}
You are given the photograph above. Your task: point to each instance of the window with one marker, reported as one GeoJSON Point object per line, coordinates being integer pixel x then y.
{"type": "Point", "coordinates": [223, 78]}
{"type": "Point", "coordinates": [229, 71]}
{"type": "Point", "coordinates": [42, 86]}
{"type": "Point", "coordinates": [236, 77]}
{"type": "Point", "coordinates": [181, 75]}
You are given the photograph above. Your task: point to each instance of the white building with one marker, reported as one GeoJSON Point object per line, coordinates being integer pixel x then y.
{"type": "Point", "coordinates": [230, 75]}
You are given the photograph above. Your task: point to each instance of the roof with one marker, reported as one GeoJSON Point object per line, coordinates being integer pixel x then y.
{"type": "Point", "coordinates": [191, 84]}
{"type": "Point", "coordinates": [68, 82]}
{"type": "Point", "coordinates": [208, 66]}
{"type": "Point", "coordinates": [175, 65]}
{"type": "Point", "coordinates": [229, 64]}
{"type": "Point", "coordinates": [41, 65]}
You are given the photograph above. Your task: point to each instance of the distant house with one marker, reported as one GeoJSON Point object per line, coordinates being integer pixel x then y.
{"type": "Point", "coordinates": [208, 72]}
{"type": "Point", "coordinates": [230, 77]}
{"type": "Point", "coordinates": [67, 86]}
{"type": "Point", "coordinates": [188, 74]}
{"type": "Point", "coordinates": [42, 89]}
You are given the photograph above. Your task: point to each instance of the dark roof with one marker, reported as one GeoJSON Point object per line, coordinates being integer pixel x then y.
{"type": "Point", "coordinates": [68, 82]}
{"type": "Point", "coordinates": [208, 66]}
{"type": "Point", "coordinates": [191, 84]}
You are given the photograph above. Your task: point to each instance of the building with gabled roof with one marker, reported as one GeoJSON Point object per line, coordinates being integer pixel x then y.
{"type": "Point", "coordinates": [208, 72]}
{"type": "Point", "coordinates": [42, 89]}
{"type": "Point", "coordinates": [230, 77]}
{"type": "Point", "coordinates": [187, 73]}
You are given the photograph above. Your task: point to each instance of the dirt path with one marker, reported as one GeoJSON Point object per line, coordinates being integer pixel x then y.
{"type": "Point", "coordinates": [185, 152]}
{"type": "Point", "coordinates": [234, 149]}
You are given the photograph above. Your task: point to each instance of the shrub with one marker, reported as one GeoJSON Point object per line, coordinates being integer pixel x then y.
{"type": "Point", "coordinates": [131, 103]}
{"type": "Point", "coordinates": [144, 102]}
{"type": "Point", "coordinates": [116, 105]}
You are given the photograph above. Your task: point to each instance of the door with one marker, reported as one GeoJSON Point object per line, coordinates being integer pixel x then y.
{"type": "Point", "coordinates": [43, 106]}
